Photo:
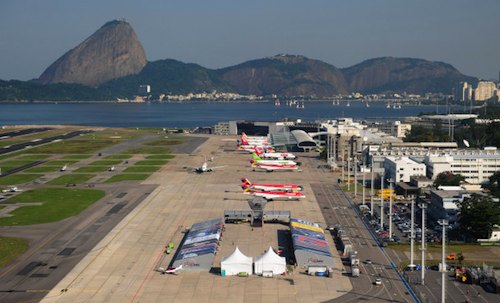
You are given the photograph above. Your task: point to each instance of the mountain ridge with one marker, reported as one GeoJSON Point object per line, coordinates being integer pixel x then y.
{"type": "Point", "coordinates": [111, 63]}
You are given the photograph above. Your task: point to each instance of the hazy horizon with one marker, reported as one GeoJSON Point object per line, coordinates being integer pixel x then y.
{"type": "Point", "coordinates": [222, 33]}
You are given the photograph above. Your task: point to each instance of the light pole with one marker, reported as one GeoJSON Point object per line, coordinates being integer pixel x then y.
{"type": "Point", "coordinates": [412, 235]}
{"type": "Point", "coordinates": [349, 168]}
{"type": "Point", "coordinates": [423, 206]}
{"type": "Point", "coordinates": [355, 170]}
{"type": "Point", "coordinates": [371, 191]}
{"type": "Point", "coordinates": [390, 208]}
{"type": "Point", "coordinates": [382, 200]}
{"type": "Point", "coordinates": [443, 223]}
{"type": "Point", "coordinates": [364, 167]}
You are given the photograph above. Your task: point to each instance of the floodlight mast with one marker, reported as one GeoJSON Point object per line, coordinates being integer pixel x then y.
{"type": "Point", "coordinates": [412, 235]}
{"type": "Point", "coordinates": [372, 190]}
{"type": "Point", "coordinates": [444, 224]}
{"type": "Point", "coordinates": [423, 206]}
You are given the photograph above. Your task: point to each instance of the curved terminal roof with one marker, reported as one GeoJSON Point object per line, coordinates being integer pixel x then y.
{"type": "Point", "coordinates": [304, 140]}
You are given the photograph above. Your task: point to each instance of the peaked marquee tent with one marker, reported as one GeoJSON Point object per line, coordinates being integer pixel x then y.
{"type": "Point", "coordinates": [236, 263]}
{"type": "Point", "coordinates": [270, 262]}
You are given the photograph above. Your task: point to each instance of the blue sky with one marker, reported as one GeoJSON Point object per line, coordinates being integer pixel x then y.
{"type": "Point", "coordinates": [219, 33]}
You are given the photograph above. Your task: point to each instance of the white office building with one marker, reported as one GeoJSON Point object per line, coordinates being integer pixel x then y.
{"type": "Point", "coordinates": [475, 165]}
{"type": "Point", "coordinates": [400, 169]}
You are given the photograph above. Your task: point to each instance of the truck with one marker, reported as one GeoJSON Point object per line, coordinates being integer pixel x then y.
{"type": "Point", "coordinates": [353, 256]}
{"type": "Point", "coordinates": [355, 271]}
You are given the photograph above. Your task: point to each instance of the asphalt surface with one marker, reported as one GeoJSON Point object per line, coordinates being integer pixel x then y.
{"type": "Point", "coordinates": [21, 168]}
{"type": "Point", "coordinates": [56, 248]}
{"type": "Point", "coordinates": [22, 132]}
{"type": "Point", "coordinates": [337, 209]}
{"type": "Point", "coordinates": [36, 142]}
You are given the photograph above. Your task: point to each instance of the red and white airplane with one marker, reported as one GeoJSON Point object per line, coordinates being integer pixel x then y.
{"type": "Point", "coordinates": [252, 148]}
{"type": "Point", "coordinates": [273, 167]}
{"type": "Point", "coordinates": [253, 140]}
{"type": "Point", "coordinates": [258, 160]}
{"type": "Point", "coordinates": [275, 195]}
{"type": "Point", "coordinates": [272, 155]}
{"type": "Point", "coordinates": [269, 187]}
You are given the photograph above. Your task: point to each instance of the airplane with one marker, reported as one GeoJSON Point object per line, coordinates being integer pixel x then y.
{"type": "Point", "coordinates": [204, 168]}
{"type": "Point", "coordinates": [275, 195]}
{"type": "Point", "coordinates": [170, 270]}
{"type": "Point", "coordinates": [64, 167]}
{"type": "Point", "coordinates": [259, 160]}
{"type": "Point", "coordinates": [251, 148]}
{"type": "Point", "coordinates": [253, 140]}
{"type": "Point", "coordinates": [273, 167]}
{"type": "Point", "coordinates": [112, 168]}
{"type": "Point", "coordinates": [270, 187]}
{"type": "Point", "coordinates": [11, 189]}
{"type": "Point", "coordinates": [273, 155]}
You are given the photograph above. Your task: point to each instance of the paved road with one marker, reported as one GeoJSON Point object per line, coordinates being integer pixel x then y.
{"type": "Point", "coordinates": [36, 142]}
{"type": "Point", "coordinates": [337, 210]}
{"type": "Point", "coordinates": [21, 132]}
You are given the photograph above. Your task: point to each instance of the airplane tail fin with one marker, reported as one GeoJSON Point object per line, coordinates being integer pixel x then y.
{"type": "Point", "coordinates": [244, 138]}
{"type": "Point", "coordinates": [246, 181]}
{"type": "Point", "coordinates": [247, 190]}
{"type": "Point", "coordinates": [256, 157]}
{"type": "Point", "coordinates": [258, 151]}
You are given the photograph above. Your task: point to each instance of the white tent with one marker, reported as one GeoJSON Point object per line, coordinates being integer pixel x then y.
{"type": "Point", "coordinates": [236, 263]}
{"type": "Point", "coordinates": [270, 262]}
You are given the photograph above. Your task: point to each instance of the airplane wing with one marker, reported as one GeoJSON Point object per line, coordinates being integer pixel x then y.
{"type": "Point", "coordinates": [217, 167]}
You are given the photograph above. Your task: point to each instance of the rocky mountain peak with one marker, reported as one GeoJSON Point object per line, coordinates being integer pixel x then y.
{"type": "Point", "coordinates": [113, 51]}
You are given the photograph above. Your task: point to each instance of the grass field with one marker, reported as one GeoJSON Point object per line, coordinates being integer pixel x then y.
{"type": "Point", "coordinates": [147, 150]}
{"type": "Point", "coordinates": [151, 162]}
{"type": "Point", "coordinates": [58, 203]}
{"type": "Point", "coordinates": [7, 143]}
{"type": "Point", "coordinates": [18, 179]}
{"type": "Point", "coordinates": [42, 169]}
{"type": "Point", "coordinates": [15, 163]}
{"type": "Point", "coordinates": [127, 177]}
{"type": "Point", "coordinates": [160, 157]}
{"type": "Point", "coordinates": [165, 142]}
{"type": "Point", "coordinates": [71, 179]}
{"type": "Point", "coordinates": [60, 163]}
{"type": "Point", "coordinates": [91, 169]}
{"type": "Point", "coordinates": [118, 157]}
{"type": "Point", "coordinates": [106, 162]}
{"type": "Point", "coordinates": [76, 157]}
{"type": "Point", "coordinates": [473, 254]}
{"type": "Point", "coordinates": [11, 248]}
{"type": "Point", "coordinates": [141, 169]}
{"type": "Point", "coordinates": [77, 146]}
{"type": "Point", "coordinates": [116, 134]}
{"type": "Point", "coordinates": [33, 157]}
{"type": "Point", "coordinates": [11, 155]}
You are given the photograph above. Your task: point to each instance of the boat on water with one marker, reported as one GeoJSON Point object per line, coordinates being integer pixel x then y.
{"type": "Point", "coordinates": [367, 104]}
{"type": "Point", "coordinates": [277, 103]}
{"type": "Point", "coordinates": [300, 106]}
{"type": "Point", "coordinates": [348, 104]}
{"type": "Point", "coordinates": [388, 105]}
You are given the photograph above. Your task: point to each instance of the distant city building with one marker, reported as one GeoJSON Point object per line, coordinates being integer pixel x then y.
{"type": "Point", "coordinates": [144, 90]}
{"type": "Point", "coordinates": [399, 130]}
{"type": "Point", "coordinates": [485, 90]}
{"type": "Point", "coordinates": [463, 92]}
